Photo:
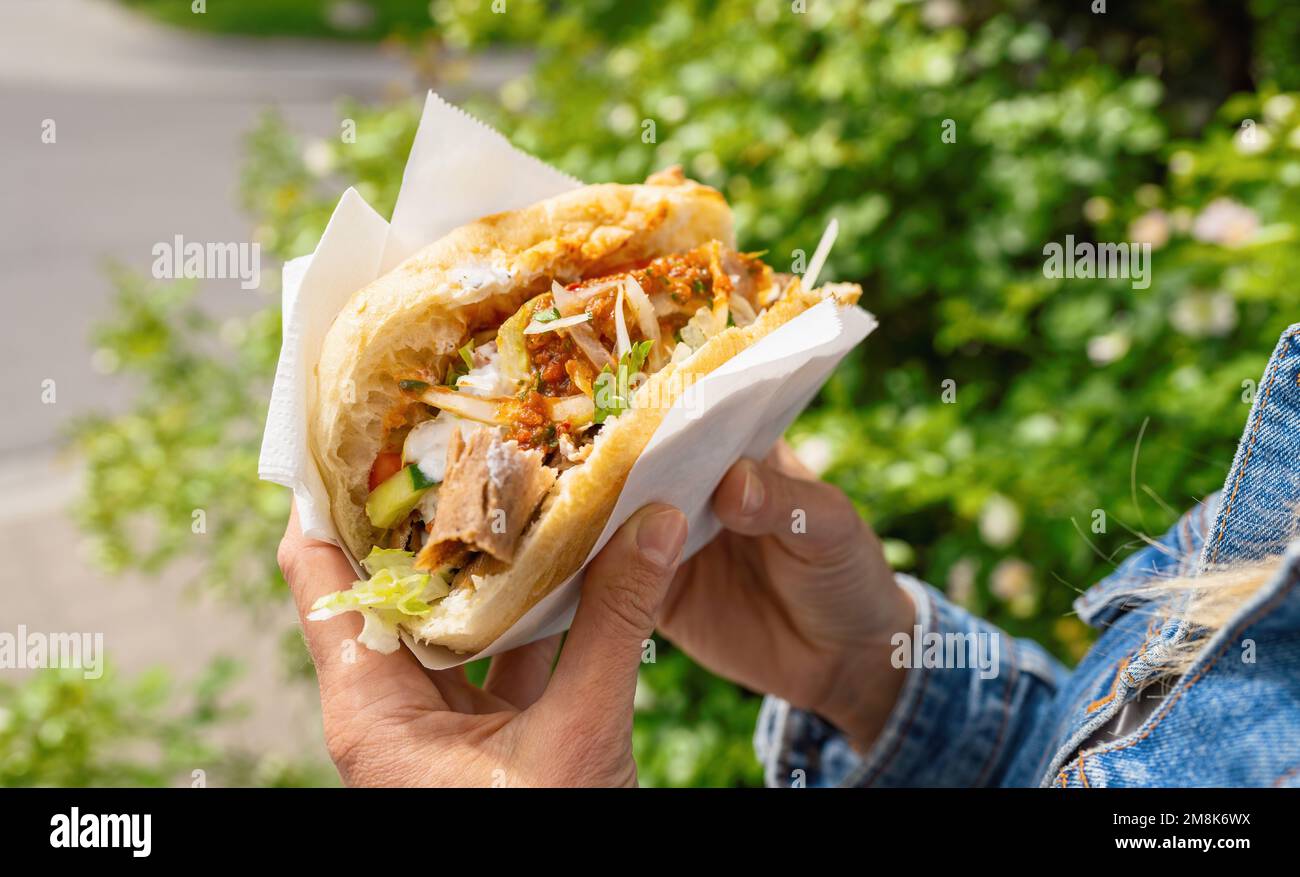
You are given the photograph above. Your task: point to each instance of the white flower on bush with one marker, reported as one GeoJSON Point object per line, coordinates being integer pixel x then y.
{"type": "Point", "coordinates": [1252, 138]}
{"type": "Point", "coordinates": [961, 581]}
{"type": "Point", "coordinates": [1151, 228]}
{"type": "Point", "coordinates": [1011, 578]}
{"type": "Point", "coordinates": [999, 521]}
{"type": "Point", "coordinates": [318, 158]}
{"type": "Point", "coordinates": [1105, 349]}
{"type": "Point", "coordinates": [1037, 429]}
{"type": "Point", "coordinates": [1182, 163]}
{"type": "Point", "coordinates": [622, 119]}
{"type": "Point", "coordinates": [1225, 222]}
{"type": "Point", "coordinates": [1097, 209]}
{"type": "Point", "coordinates": [1279, 107]}
{"type": "Point", "coordinates": [942, 13]}
{"type": "Point", "coordinates": [1012, 582]}
{"type": "Point", "coordinates": [1204, 314]}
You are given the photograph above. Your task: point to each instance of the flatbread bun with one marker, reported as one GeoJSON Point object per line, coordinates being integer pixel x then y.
{"type": "Point", "coordinates": [477, 276]}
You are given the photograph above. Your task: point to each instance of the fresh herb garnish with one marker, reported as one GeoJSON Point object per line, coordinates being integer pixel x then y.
{"type": "Point", "coordinates": [467, 354]}
{"type": "Point", "coordinates": [455, 370]}
{"type": "Point", "coordinates": [612, 390]}
{"type": "Point", "coordinates": [413, 386]}
{"type": "Point", "coordinates": [547, 316]}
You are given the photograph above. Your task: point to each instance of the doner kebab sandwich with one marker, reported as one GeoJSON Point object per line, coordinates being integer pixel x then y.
{"type": "Point", "coordinates": [479, 407]}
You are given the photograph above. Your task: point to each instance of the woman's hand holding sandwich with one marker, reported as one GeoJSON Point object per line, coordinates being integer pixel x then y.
{"type": "Point", "coordinates": [476, 409]}
{"type": "Point", "coordinates": [794, 597]}
{"type": "Point", "coordinates": [389, 721]}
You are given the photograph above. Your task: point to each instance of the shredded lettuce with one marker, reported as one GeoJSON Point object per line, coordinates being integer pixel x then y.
{"type": "Point", "coordinates": [395, 592]}
{"type": "Point", "coordinates": [510, 346]}
{"type": "Point", "coordinates": [379, 633]}
{"type": "Point", "coordinates": [395, 560]}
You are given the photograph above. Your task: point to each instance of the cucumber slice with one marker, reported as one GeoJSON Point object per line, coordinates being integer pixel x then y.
{"type": "Point", "coordinates": [418, 479]}
{"type": "Point", "coordinates": [393, 500]}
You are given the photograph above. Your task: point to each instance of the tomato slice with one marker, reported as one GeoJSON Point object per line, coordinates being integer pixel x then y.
{"type": "Point", "coordinates": [386, 465]}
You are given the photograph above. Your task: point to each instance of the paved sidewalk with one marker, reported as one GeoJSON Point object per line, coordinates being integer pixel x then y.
{"type": "Point", "coordinates": [150, 123]}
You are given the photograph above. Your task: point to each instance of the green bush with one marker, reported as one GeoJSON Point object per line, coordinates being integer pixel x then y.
{"type": "Point", "coordinates": [61, 729]}
{"type": "Point", "coordinates": [1076, 401]}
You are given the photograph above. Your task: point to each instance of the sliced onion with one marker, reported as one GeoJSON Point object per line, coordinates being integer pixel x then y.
{"type": "Point", "coordinates": [582, 334]}
{"type": "Point", "coordinates": [742, 311]}
{"type": "Point", "coordinates": [585, 293]}
{"type": "Point", "coordinates": [664, 305]}
{"type": "Point", "coordinates": [577, 410]}
{"type": "Point", "coordinates": [536, 328]}
{"type": "Point", "coordinates": [464, 405]}
{"type": "Point", "coordinates": [566, 302]}
{"type": "Point", "coordinates": [620, 324]}
{"type": "Point", "coordinates": [645, 312]}
{"type": "Point", "coordinates": [590, 346]}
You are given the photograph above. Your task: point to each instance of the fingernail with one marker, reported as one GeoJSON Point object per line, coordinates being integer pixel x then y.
{"type": "Point", "coordinates": [660, 536]}
{"type": "Point", "coordinates": [751, 500]}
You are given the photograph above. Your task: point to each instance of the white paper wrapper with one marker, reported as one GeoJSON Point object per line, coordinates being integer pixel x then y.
{"type": "Point", "coordinates": [458, 170]}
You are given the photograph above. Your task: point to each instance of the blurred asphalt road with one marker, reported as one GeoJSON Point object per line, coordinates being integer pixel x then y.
{"type": "Point", "coordinates": [150, 123]}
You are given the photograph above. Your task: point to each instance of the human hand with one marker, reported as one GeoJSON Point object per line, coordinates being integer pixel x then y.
{"type": "Point", "coordinates": [389, 721]}
{"type": "Point", "coordinates": [794, 597]}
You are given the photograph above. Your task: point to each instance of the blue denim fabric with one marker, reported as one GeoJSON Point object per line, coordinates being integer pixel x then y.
{"type": "Point", "coordinates": [1233, 719]}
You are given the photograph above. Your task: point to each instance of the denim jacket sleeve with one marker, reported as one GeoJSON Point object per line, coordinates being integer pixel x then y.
{"type": "Point", "coordinates": [951, 726]}
{"type": "Point", "coordinates": [959, 724]}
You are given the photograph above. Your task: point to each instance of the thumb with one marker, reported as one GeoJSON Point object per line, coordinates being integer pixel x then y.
{"type": "Point", "coordinates": [811, 519]}
{"type": "Point", "coordinates": [621, 595]}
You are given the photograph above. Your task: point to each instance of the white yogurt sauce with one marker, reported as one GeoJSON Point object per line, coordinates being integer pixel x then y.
{"type": "Point", "coordinates": [477, 282]}
{"type": "Point", "coordinates": [485, 379]}
{"type": "Point", "coordinates": [426, 444]}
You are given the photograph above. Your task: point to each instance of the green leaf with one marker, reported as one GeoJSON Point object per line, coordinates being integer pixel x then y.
{"type": "Point", "coordinates": [467, 355]}
{"type": "Point", "coordinates": [612, 390]}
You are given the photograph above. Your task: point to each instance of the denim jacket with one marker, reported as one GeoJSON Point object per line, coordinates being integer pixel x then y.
{"type": "Point", "coordinates": [1232, 719]}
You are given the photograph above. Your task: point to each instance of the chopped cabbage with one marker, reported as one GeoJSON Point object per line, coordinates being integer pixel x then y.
{"type": "Point", "coordinates": [395, 592]}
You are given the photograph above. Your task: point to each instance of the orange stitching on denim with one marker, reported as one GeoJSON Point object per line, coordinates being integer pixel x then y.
{"type": "Point", "coordinates": [1277, 783]}
{"type": "Point", "coordinates": [1083, 777]}
{"type": "Point", "coordinates": [1250, 447]}
{"type": "Point", "coordinates": [1114, 686]}
{"type": "Point", "coordinates": [1170, 702]}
